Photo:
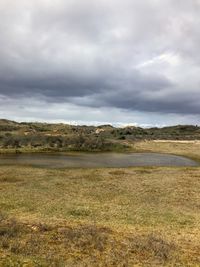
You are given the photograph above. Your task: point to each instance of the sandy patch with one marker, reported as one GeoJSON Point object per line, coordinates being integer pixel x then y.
{"type": "Point", "coordinates": [178, 141]}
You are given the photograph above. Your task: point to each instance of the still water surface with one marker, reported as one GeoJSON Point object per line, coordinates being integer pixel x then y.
{"type": "Point", "coordinates": [89, 160]}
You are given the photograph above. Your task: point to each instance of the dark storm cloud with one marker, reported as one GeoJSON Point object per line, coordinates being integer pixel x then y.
{"type": "Point", "coordinates": [134, 55]}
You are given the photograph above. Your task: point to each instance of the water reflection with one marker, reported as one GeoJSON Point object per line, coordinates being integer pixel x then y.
{"type": "Point", "coordinates": [89, 160]}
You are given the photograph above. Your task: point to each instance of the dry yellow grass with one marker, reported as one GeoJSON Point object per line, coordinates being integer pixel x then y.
{"type": "Point", "coordinates": [99, 217]}
{"type": "Point", "coordinates": [191, 149]}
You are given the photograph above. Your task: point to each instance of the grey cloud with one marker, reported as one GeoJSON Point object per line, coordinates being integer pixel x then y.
{"type": "Point", "coordinates": [131, 55]}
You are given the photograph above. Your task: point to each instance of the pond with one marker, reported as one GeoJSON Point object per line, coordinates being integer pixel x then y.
{"type": "Point", "coordinates": [95, 160]}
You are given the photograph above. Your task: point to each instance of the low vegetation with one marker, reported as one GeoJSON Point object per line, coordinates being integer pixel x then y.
{"type": "Point", "coordinates": [43, 137]}
{"type": "Point", "coordinates": [84, 245]}
{"type": "Point", "coordinates": [99, 217]}
{"type": "Point", "coordinates": [141, 216]}
{"type": "Point", "coordinates": [185, 148]}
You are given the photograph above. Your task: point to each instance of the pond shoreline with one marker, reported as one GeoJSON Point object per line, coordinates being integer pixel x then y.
{"type": "Point", "coordinates": [95, 160]}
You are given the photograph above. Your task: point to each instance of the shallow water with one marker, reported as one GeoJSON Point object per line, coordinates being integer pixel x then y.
{"type": "Point", "coordinates": [89, 160]}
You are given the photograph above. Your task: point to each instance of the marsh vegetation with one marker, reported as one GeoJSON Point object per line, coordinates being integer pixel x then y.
{"type": "Point", "coordinates": [147, 216]}
{"type": "Point", "coordinates": [136, 216]}
{"type": "Point", "coordinates": [43, 137]}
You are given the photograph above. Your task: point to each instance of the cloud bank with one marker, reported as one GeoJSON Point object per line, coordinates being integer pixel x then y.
{"type": "Point", "coordinates": [108, 56]}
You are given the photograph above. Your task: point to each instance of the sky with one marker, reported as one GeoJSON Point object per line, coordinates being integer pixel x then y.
{"type": "Point", "coordinates": [89, 62]}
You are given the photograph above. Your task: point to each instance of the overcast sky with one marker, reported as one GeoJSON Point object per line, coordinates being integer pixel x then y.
{"type": "Point", "coordinates": [100, 61]}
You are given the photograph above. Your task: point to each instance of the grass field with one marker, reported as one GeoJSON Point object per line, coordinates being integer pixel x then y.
{"type": "Point", "coordinates": [146, 216]}
{"type": "Point", "coordinates": [186, 148]}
